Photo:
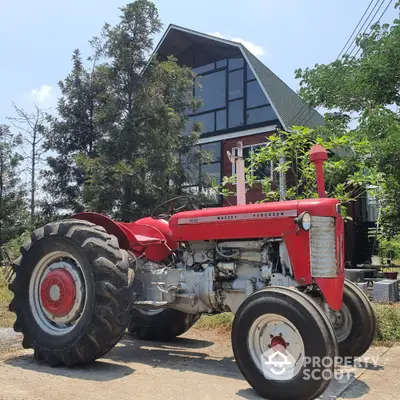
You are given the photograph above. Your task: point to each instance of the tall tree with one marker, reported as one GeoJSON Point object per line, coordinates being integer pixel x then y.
{"type": "Point", "coordinates": [138, 157]}
{"type": "Point", "coordinates": [365, 90]}
{"type": "Point", "coordinates": [12, 195]}
{"type": "Point", "coordinates": [32, 127]}
{"type": "Point", "coordinates": [74, 130]}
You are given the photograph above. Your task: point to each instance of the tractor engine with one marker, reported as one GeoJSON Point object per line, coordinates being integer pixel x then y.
{"type": "Point", "coordinates": [211, 276]}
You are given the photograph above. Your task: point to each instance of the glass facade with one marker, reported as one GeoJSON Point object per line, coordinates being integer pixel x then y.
{"type": "Point", "coordinates": [231, 98]}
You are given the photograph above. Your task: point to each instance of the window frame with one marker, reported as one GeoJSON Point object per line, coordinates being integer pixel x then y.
{"type": "Point", "coordinates": [246, 125]}
{"type": "Point", "coordinates": [234, 152]}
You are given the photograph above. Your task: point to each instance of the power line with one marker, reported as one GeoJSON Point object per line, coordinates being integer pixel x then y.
{"type": "Point", "coordinates": [304, 113]}
{"type": "Point", "coordinates": [359, 22]}
{"type": "Point", "coordinates": [306, 107]}
{"type": "Point", "coordinates": [349, 52]}
{"type": "Point", "coordinates": [359, 49]}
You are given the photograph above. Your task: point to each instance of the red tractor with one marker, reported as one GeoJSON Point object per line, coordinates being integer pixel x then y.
{"type": "Point", "coordinates": [278, 266]}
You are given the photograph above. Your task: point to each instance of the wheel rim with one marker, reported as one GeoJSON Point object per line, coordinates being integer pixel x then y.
{"type": "Point", "coordinates": [342, 323]}
{"type": "Point", "coordinates": [57, 293]}
{"type": "Point", "coordinates": [150, 312]}
{"type": "Point", "coordinates": [272, 333]}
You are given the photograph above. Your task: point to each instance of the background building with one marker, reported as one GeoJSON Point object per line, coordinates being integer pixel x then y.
{"type": "Point", "coordinates": [244, 100]}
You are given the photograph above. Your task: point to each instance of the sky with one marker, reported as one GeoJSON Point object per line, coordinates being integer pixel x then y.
{"type": "Point", "coordinates": [37, 37]}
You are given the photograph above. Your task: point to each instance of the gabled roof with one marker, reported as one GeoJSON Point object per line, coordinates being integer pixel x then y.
{"type": "Point", "coordinates": [289, 107]}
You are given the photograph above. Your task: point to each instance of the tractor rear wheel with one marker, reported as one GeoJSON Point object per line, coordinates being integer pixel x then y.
{"type": "Point", "coordinates": [163, 324]}
{"type": "Point", "coordinates": [284, 344]}
{"type": "Point", "coordinates": [72, 294]}
{"type": "Point", "coordinates": [355, 323]}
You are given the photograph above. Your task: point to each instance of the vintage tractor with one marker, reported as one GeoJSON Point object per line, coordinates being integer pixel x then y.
{"type": "Point", "coordinates": [278, 266]}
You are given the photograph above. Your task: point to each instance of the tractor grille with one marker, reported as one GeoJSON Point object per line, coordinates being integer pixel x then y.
{"type": "Point", "coordinates": [323, 247]}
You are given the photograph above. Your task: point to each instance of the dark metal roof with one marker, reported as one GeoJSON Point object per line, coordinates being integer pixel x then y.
{"type": "Point", "coordinates": [290, 107]}
{"type": "Point", "coordinates": [195, 49]}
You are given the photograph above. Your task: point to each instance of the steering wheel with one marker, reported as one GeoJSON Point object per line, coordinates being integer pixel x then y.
{"type": "Point", "coordinates": [172, 209]}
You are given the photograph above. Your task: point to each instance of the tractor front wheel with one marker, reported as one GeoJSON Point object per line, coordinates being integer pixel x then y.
{"type": "Point", "coordinates": [71, 293]}
{"type": "Point", "coordinates": [284, 344]}
{"type": "Point", "coordinates": [160, 324]}
{"type": "Point", "coordinates": [355, 323]}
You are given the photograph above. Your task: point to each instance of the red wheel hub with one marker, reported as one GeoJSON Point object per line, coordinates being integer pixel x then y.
{"type": "Point", "coordinates": [278, 341]}
{"type": "Point", "coordinates": [58, 292]}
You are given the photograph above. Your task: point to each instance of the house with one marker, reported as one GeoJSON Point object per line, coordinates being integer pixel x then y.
{"type": "Point", "coordinates": [242, 100]}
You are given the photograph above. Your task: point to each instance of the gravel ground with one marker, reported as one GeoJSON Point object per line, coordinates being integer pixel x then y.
{"type": "Point", "coordinates": [198, 365]}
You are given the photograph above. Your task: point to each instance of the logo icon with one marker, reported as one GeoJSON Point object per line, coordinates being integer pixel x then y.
{"type": "Point", "coordinates": [278, 364]}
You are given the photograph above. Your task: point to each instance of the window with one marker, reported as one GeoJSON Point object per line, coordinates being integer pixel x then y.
{"type": "Point", "coordinates": [236, 113]}
{"type": "Point", "coordinates": [212, 93]}
{"type": "Point", "coordinates": [214, 149]}
{"type": "Point", "coordinates": [235, 63]}
{"type": "Point", "coordinates": [206, 121]}
{"type": "Point", "coordinates": [236, 84]}
{"type": "Point", "coordinates": [222, 63]}
{"type": "Point", "coordinates": [231, 97]}
{"type": "Point", "coordinates": [204, 68]}
{"type": "Point", "coordinates": [221, 120]}
{"type": "Point", "coordinates": [255, 95]}
{"type": "Point", "coordinates": [260, 115]}
{"type": "Point", "coordinates": [211, 170]}
{"type": "Point", "coordinates": [263, 171]}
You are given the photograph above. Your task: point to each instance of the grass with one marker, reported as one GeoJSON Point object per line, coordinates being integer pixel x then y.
{"type": "Point", "coordinates": [6, 317]}
{"type": "Point", "coordinates": [220, 322]}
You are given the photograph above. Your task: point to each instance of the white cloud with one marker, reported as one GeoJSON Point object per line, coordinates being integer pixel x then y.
{"type": "Point", "coordinates": [42, 95]}
{"type": "Point", "coordinates": [217, 34]}
{"type": "Point", "coordinates": [253, 48]}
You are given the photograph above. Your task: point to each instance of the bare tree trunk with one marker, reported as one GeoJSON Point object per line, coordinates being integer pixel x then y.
{"type": "Point", "coordinates": [32, 127]}
{"type": "Point", "coordinates": [33, 176]}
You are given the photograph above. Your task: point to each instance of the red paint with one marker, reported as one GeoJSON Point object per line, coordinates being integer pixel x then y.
{"type": "Point", "coordinates": [137, 235]}
{"type": "Point", "coordinates": [318, 156]}
{"type": "Point", "coordinates": [278, 341]}
{"type": "Point", "coordinates": [332, 289]}
{"type": "Point", "coordinates": [66, 286]}
{"type": "Point", "coordinates": [153, 237]}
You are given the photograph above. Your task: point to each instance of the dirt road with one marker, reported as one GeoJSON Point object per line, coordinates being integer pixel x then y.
{"type": "Point", "coordinates": [200, 365]}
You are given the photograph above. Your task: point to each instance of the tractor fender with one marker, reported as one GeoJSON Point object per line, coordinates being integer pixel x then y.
{"type": "Point", "coordinates": [112, 227]}
{"type": "Point", "coordinates": [147, 235]}
{"type": "Point", "coordinates": [332, 290]}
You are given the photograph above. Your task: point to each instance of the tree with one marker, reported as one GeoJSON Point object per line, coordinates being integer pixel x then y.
{"type": "Point", "coordinates": [32, 127]}
{"type": "Point", "coordinates": [365, 90]}
{"type": "Point", "coordinates": [76, 129]}
{"type": "Point", "coordinates": [12, 196]}
{"type": "Point", "coordinates": [138, 160]}
{"type": "Point", "coordinates": [348, 170]}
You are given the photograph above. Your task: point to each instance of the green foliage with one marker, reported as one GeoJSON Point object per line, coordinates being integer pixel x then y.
{"type": "Point", "coordinates": [348, 171]}
{"type": "Point", "coordinates": [75, 130]}
{"type": "Point", "coordinates": [388, 322]}
{"type": "Point", "coordinates": [118, 133]}
{"type": "Point", "coordinates": [365, 91]}
{"type": "Point", "coordinates": [217, 321]}
{"type": "Point", "coordinates": [13, 214]}
{"type": "Point", "coordinates": [13, 245]}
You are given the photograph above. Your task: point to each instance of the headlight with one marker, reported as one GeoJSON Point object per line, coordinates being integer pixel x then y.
{"type": "Point", "coordinates": [304, 221]}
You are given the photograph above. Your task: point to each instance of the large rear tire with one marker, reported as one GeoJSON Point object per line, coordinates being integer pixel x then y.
{"type": "Point", "coordinates": [72, 294]}
{"type": "Point", "coordinates": [276, 320]}
{"type": "Point", "coordinates": [355, 323]}
{"type": "Point", "coordinates": [161, 325]}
